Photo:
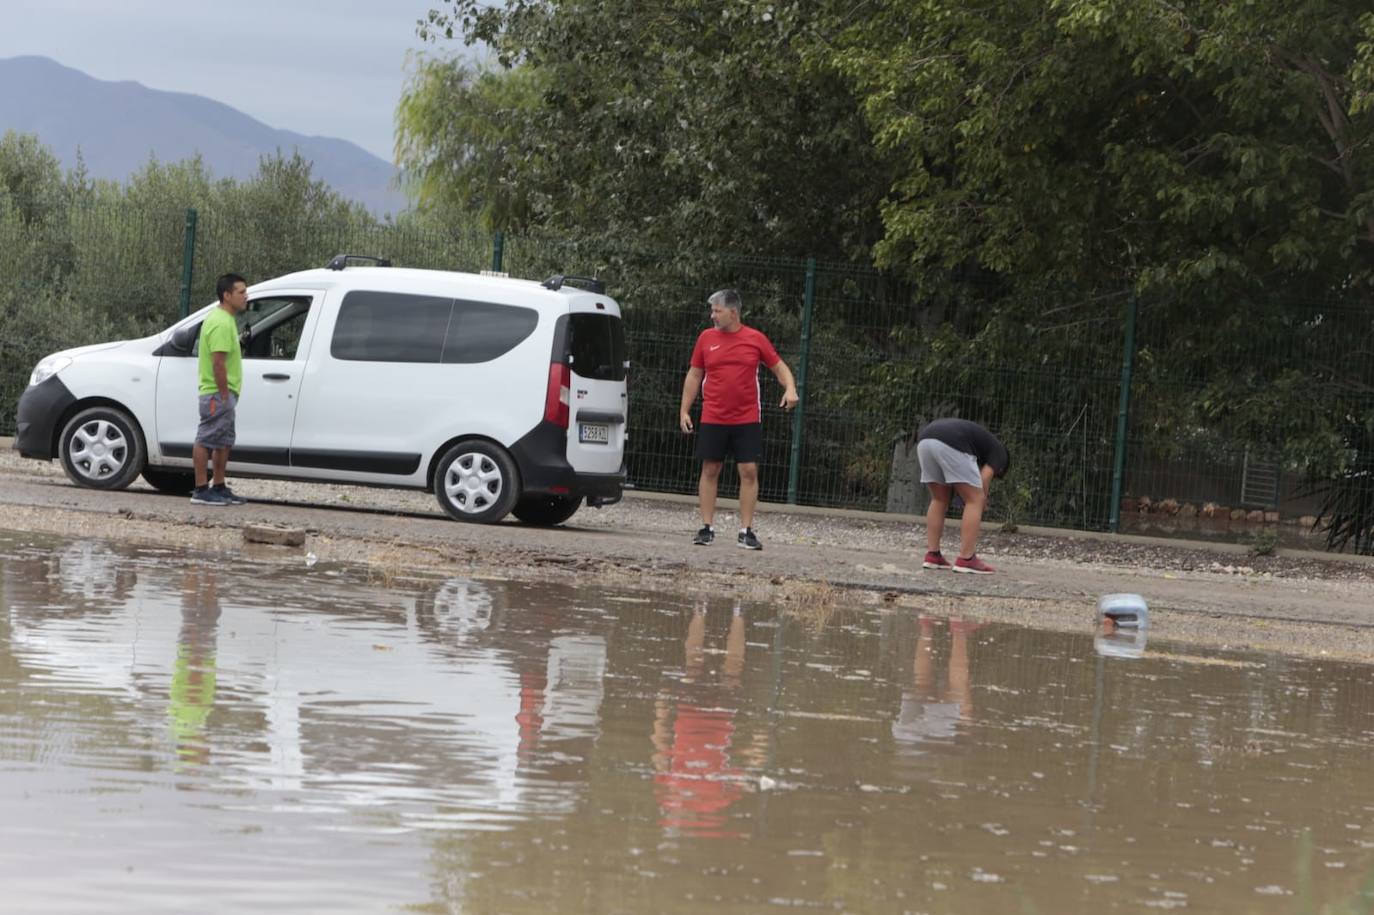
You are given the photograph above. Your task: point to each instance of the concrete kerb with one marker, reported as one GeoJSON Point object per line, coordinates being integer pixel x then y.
{"type": "Point", "coordinates": [893, 518]}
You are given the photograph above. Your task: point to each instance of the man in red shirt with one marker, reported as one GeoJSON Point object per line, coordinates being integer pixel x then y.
{"type": "Point", "coordinates": [725, 368]}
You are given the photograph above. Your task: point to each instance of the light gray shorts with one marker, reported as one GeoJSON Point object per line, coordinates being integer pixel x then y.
{"type": "Point", "coordinates": [942, 464]}
{"type": "Point", "coordinates": [216, 431]}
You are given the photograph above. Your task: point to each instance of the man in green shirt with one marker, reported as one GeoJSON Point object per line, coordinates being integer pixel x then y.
{"type": "Point", "coordinates": [221, 379]}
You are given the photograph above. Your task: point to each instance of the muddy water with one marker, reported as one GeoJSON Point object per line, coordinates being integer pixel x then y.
{"type": "Point", "coordinates": [193, 732]}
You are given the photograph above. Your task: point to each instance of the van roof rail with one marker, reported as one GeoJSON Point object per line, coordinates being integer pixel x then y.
{"type": "Point", "coordinates": [340, 261]}
{"type": "Point", "coordinates": [589, 283]}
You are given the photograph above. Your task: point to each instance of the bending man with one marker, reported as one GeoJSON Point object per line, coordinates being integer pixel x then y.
{"type": "Point", "coordinates": [958, 455]}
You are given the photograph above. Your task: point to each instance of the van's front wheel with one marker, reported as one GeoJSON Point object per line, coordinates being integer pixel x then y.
{"type": "Point", "coordinates": [476, 481]}
{"type": "Point", "coordinates": [102, 448]}
{"type": "Point", "coordinates": [546, 510]}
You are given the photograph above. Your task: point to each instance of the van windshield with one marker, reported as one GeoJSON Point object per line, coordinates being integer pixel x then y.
{"type": "Point", "coordinates": [598, 346]}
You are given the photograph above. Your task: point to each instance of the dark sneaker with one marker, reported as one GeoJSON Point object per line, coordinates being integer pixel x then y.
{"type": "Point", "coordinates": [230, 497]}
{"type": "Point", "coordinates": [973, 566]}
{"type": "Point", "coordinates": [934, 560]}
{"type": "Point", "coordinates": [208, 496]}
{"type": "Point", "coordinates": [747, 540]}
{"type": "Point", "coordinates": [704, 536]}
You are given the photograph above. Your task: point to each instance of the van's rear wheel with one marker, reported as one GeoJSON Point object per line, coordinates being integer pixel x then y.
{"type": "Point", "coordinates": [102, 448]}
{"type": "Point", "coordinates": [546, 510]}
{"type": "Point", "coordinates": [174, 482]}
{"type": "Point", "coordinates": [476, 481]}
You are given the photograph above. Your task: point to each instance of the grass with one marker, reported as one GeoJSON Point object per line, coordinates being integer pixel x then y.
{"type": "Point", "coordinates": [1264, 542]}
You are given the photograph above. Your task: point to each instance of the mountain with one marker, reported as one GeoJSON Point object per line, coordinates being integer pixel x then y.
{"type": "Point", "coordinates": [118, 125]}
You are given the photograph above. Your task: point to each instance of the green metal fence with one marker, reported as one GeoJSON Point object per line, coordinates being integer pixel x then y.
{"type": "Point", "coordinates": [1096, 395]}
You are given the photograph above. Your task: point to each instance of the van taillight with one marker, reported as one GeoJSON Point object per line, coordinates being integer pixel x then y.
{"type": "Point", "coordinates": [556, 399]}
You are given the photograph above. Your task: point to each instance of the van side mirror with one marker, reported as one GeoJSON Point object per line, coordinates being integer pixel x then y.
{"type": "Point", "coordinates": [185, 339]}
{"type": "Point", "coordinates": [181, 343]}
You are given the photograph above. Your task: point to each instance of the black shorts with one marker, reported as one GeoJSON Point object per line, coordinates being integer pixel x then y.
{"type": "Point", "coordinates": [743, 441]}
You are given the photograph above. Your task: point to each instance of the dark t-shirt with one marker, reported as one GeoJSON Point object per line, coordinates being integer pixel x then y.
{"type": "Point", "coordinates": [970, 438]}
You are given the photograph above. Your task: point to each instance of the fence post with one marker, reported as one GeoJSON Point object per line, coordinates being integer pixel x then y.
{"type": "Point", "coordinates": [1122, 411]}
{"type": "Point", "coordinates": [808, 303]}
{"type": "Point", "coordinates": [498, 251]}
{"type": "Point", "coordinates": [188, 260]}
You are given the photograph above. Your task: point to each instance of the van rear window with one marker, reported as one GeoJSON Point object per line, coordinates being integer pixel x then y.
{"type": "Point", "coordinates": [482, 331]}
{"type": "Point", "coordinates": [597, 346]}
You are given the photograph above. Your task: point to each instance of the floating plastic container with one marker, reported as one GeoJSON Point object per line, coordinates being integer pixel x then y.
{"type": "Point", "coordinates": [1128, 611]}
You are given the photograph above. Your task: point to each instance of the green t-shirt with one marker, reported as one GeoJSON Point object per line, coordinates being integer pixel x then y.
{"type": "Point", "coordinates": [220, 334]}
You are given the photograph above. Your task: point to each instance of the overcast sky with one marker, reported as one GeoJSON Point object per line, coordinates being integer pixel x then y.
{"type": "Point", "coordinates": [332, 69]}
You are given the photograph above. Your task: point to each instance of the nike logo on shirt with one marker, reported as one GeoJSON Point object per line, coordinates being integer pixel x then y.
{"type": "Point", "coordinates": [716, 347]}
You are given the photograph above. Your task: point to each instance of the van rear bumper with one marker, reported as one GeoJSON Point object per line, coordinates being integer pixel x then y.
{"type": "Point", "coordinates": [600, 488]}
{"type": "Point", "coordinates": [40, 408]}
{"type": "Point", "coordinates": [541, 457]}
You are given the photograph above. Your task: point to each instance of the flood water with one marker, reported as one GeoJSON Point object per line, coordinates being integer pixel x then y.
{"type": "Point", "coordinates": [195, 732]}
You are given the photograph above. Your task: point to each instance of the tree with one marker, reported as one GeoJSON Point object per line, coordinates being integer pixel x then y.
{"type": "Point", "coordinates": [705, 124]}
{"type": "Point", "coordinates": [1214, 156]}
{"type": "Point", "coordinates": [459, 129]}
{"type": "Point", "coordinates": [30, 177]}
{"type": "Point", "coordinates": [1085, 141]}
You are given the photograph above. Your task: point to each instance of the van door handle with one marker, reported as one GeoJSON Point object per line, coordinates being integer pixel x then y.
{"type": "Point", "coordinates": [276, 376]}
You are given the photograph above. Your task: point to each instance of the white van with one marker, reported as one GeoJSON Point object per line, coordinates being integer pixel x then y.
{"type": "Point", "coordinates": [498, 395]}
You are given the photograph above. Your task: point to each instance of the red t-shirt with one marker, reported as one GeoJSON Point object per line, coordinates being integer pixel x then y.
{"type": "Point", "coordinates": [730, 391]}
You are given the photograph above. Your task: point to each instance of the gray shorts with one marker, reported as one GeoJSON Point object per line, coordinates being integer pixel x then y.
{"type": "Point", "coordinates": [942, 464]}
{"type": "Point", "coordinates": [216, 431]}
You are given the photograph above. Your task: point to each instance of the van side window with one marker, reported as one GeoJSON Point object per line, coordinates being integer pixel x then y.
{"type": "Point", "coordinates": [598, 346]}
{"type": "Point", "coordinates": [390, 327]}
{"type": "Point", "coordinates": [271, 328]}
{"type": "Point", "coordinates": [482, 331]}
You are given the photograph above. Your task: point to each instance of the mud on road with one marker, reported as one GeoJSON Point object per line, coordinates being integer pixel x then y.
{"type": "Point", "coordinates": [815, 562]}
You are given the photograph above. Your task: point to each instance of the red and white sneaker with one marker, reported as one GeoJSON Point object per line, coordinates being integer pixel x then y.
{"type": "Point", "coordinates": [973, 566]}
{"type": "Point", "coordinates": [934, 560]}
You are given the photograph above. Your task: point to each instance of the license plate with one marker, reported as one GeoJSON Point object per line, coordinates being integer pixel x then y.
{"type": "Point", "coordinates": [593, 434]}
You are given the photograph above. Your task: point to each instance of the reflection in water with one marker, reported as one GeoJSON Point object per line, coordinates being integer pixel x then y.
{"type": "Point", "coordinates": [560, 700]}
{"type": "Point", "coordinates": [464, 746]}
{"type": "Point", "coordinates": [692, 732]}
{"type": "Point", "coordinates": [1113, 641]}
{"type": "Point", "coordinates": [89, 574]}
{"type": "Point", "coordinates": [457, 606]}
{"type": "Point", "coordinates": [929, 713]}
{"type": "Point", "coordinates": [192, 693]}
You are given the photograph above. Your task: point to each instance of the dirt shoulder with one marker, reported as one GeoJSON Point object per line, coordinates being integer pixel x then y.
{"type": "Point", "coordinates": [816, 561]}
